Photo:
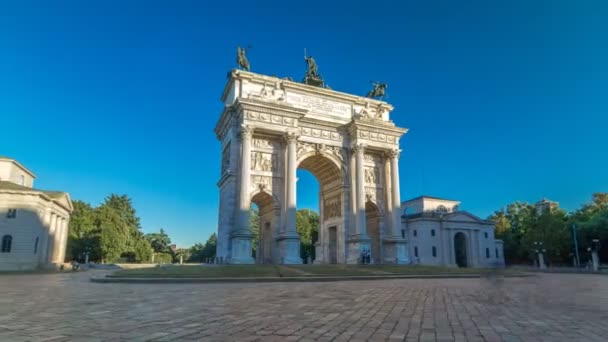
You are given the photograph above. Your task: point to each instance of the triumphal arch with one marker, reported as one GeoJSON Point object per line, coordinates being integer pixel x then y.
{"type": "Point", "coordinates": [268, 129]}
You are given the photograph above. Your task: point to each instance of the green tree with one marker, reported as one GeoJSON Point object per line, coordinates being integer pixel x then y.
{"type": "Point", "coordinates": [82, 231]}
{"type": "Point", "coordinates": [307, 226]}
{"type": "Point", "coordinates": [108, 232]}
{"type": "Point", "coordinates": [592, 223]}
{"type": "Point", "coordinates": [159, 241]}
{"type": "Point", "coordinates": [200, 252]}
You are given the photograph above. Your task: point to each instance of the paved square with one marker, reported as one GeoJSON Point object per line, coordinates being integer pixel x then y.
{"type": "Point", "coordinates": [67, 307]}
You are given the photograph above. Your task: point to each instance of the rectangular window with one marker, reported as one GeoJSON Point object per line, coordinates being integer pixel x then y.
{"type": "Point", "coordinates": [403, 233]}
{"type": "Point", "coordinates": [488, 253]}
{"type": "Point", "coordinates": [12, 213]}
{"type": "Point", "coordinates": [434, 252]}
{"type": "Point", "coordinates": [415, 232]}
{"type": "Point", "coordinates": [416, 251]}
{"type": "Point", "coordinates": [432, 232]}
{"type": "Point", "coordinates": [485, 235]}
{"type": "Point", "coordinates": [496, 253]}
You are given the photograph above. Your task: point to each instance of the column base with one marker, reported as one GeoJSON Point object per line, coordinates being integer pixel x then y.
{"type": "Point", "coordinates": [289, 249]}
{"type": "Point", "coordinates": [357, 244]}
{"type": "Point", "coordinates": [241, 249]}
{"type": "Point", "coordinates": [395, 251]}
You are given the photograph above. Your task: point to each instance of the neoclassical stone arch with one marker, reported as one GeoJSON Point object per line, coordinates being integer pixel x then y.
{"type": "Point", "coordinates": [269, 128]}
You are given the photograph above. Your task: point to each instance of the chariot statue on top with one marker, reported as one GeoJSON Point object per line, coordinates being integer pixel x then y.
{"type": "Point", "coordinates": [378, 91]}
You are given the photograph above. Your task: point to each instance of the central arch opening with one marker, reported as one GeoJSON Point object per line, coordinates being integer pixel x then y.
{"type": "Point", "coordinates": [262, 222]}
{"type": "Point", "coordinates": [320, 204]}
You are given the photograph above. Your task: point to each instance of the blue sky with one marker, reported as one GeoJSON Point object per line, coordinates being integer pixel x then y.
{"type": "Point", "coordinates": [505, 100]}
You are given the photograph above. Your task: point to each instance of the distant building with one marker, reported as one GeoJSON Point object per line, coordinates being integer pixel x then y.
{"type": "Point", "coordinates": [33, 222]}
{"type": "Point", "coordinates": [439, 233]}
{"type": "Point", "coordinates": [545, 205]}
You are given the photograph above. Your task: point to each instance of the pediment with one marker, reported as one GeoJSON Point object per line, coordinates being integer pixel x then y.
{"type": "Point", "coordinates": [464, 216]}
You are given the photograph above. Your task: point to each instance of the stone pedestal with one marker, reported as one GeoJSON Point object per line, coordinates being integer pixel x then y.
{"type": "Point", "coordinates": [595, 260]}
{"type": "Point", "coordinates": [289, 247]}
{"type": "Point", "coordinates": [241, 249]}
{"type": "Point", "coordinates": [356, 245]}
{"type": "Point", "coordinates": [395, 251]}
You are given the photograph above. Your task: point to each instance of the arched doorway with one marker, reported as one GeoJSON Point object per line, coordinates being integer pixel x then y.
{"type": "Point", "coordinates": [372, 222]}
{"type": "Point", "coordinates": [330, 243]}
{"type": "Point", "coordinates": [460, 249]}
{"type": "Point", "coordinates": [263, 248]}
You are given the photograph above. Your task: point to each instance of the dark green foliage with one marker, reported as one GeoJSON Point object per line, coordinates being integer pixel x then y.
{"type": "Point", "coordinates": [520, 225]}
{"type": "Point", "coordinates": [307, 226]}
{"type": "Point", "coordinates": [200, 252]}
{"type": "Point", "coordinates": [109, 233]}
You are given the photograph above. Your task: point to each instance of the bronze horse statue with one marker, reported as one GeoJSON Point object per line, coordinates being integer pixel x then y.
{"type": "Point", "coordinates": [378, 91]}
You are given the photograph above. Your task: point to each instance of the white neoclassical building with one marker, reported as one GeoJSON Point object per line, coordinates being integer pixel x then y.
{"type": "Point", "coordinates": [33, 223]}
{"type": "Point", "coordinates": [269, 128]}
{"type": "Point", "coordinates": [439, 233]}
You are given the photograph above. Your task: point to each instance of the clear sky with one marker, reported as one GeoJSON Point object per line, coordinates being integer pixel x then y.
{"type": "Point", "coordinates": [505, 100]}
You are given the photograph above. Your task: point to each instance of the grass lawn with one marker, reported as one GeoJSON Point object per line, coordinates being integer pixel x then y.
{"type": "Point", "coordinates": [235, 271]}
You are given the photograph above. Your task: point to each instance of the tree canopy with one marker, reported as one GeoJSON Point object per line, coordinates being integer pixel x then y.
{"type": "Point", "coordinates": [521, 224]}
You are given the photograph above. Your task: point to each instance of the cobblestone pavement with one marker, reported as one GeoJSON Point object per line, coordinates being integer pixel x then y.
{"type": "Point", "coordinates": [67, 307]}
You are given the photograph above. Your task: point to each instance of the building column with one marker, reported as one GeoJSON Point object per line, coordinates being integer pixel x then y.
{"type": "Point", "coordinates": [43, 245]}
{"type": "Point", "coordinates": [64, 239]}
{"type": "Point", "coordinates": [360, 170]}
{"type": "Point", "coordinates": [360, 241]}
{"type": "Point", "coordinates": [289, 241]}
{"type": "Point", "coordinates": [241, 236]}
{"type": "Point", "coordinates": [50, 251]}
{"type": "Point", "coordinates": [57, 240]}
{"type": "Point", "coordinates": [401, 244]}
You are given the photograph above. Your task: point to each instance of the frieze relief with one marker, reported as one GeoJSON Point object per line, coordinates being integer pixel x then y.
{"type": "Point", "coordinates": [268, 92]}
{"type": "Point", "coordinates": [261, 161]}
{"type": "Point", "coordinates": [271, 118]}
{"type": "Point", "coordinates": [305, 147]}
{"type": "Point", "coordinates": [261, 182]}
{"type": "Point", "coordinates": [375, 136]}
{"type": "Point", "coordinates": [320, 133]}
{"type": "Point", "coordinates": [332, 207]}
{"type": "Point", "coordinates": [263, 143]}
{"type": "Point", "coordinates": [371, 175]}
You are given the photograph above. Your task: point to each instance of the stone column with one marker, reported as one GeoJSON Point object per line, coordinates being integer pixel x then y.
{"type": "Point", "coordinates": [241, 236]}
{"type": "Point", "coordinates": [43, 246]}
{"type": "Point", "coordinates": [401, 244]}
{"type": "Point", "coordinates": [360, 170]}
{"type": "Point", "coordinates": [57, 240]}
{"type": "Point", "coordinates": [289, 241]}
{"type": "Point", "coordinates": [291, 182]}
{"type": "Point", "coordinates": [50, 251]}
{"type": "Point", "coordinates": [396, 219]}
{"type": "Point", "coordinates": [360, 241]}
{"type": "Point", "coordinates": [64, 239]}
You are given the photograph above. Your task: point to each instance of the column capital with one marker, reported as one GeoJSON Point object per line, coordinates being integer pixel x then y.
{"type": "Point", "coordinates": [290, 137]}
{"type": "Point", "coordinates": [356, 148]}
{"type": "Point", "coordinates": [246, 131]}
{"type": "Point", "coordinates": [393, 153]}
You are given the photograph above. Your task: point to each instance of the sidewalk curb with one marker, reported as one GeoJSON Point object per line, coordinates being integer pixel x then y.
{"type": "Point", "coordinates": [288, 279]}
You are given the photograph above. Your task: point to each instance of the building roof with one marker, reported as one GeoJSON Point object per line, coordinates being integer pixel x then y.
{"type": "Point", "coordinates": [52, 195]}
{"type": "Point", "coordinates": [429, 197]}
{"type": "Point", "coordinates": [445, 216]}
{"type": "Point", "coordinates": [18, 164]}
